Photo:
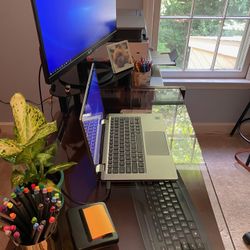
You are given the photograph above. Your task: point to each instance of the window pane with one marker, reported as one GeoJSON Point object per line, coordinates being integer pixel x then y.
{"type": "Point", "coordinates": [229, 44]}
{"type": "Point", "coordinates": [209, 8]}
{"type": "Point", "coordinates": [175, 7]}
{"type": "Point", "coordinates": [202, 43]}
{"type": "Point", "coordinates": [172, 35]}
{"type": "Point", "coordinates": [238, 8]}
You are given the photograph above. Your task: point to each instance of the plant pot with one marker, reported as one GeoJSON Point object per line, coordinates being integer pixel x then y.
{"type": "Point", "coordinates": [57, 178]}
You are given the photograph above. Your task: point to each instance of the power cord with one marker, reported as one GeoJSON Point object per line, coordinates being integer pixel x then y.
{"type": "Point", "coordinates": [39, 86]}
{"type": "Point", "coordinates": [3, 102]}
{"type": "Point", "coordinates": [106, 198]}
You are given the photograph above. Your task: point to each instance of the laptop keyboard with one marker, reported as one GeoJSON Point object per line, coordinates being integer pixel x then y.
{"type": "Point", "coordinates": [126, 154]}
{"type": "Point", "coordinates": [90, 127]}
{"type": "Point", "coordinates": [165, 217]}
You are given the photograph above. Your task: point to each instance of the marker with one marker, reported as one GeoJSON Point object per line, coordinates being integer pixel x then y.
{"type": "Point", "coordinates": [49, 191]}
{"type": "Point", "coordinates": [59, 204]}
{"type": "Point", "coordinates": [40, 211]}
{"type": "Point", "coordinates": [16, 236]}
{"type": "Point", "coordinates": [38, 233]}
{"type": "Point", "coordinates": [34, 228]}
{"type": "Point", "coordinates": [45, 191]}
{"type": "Point", "coordinates": [14, 197]}
{"type": "Point", "coordinates": [52, 221]}
{"type": "Point", "coordinates": [19, 224]}
{"type": "Point", "coordinates": [22, 213]}
{"type": "Point", "coordinates": [6, 228]}
{"type": "Point", "coordinates": [33, 186]}
{"type": "Point", "coordinates": [37, 197]}
{"type": "Point", "coordinates": [46, 208]}
{"type": "Point", "coordinates": [57, 196]}
{"type": "Point", "coordinates": [6, 219]}
{"type": "Point", "coordinates": [53, 201]}
{"type": "Point", "coordinates": [34, 220]}
{"type": "Point", "coordinates": [12, 228]}
{"type": "Point", "coordinates": [14, 209]}
{"type": "Point", "coordinates": [52, 210]}
{"type": "Point", "coordinates": [26, 204]}
{"type": "Point", "coordinates": [28, 194]}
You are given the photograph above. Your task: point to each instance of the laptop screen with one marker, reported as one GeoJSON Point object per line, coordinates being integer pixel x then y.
{"type": "Point", "coordinates": [92, 114]}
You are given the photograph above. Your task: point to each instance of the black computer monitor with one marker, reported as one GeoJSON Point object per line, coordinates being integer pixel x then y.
{"type": "Point", "coordinates": [69, 31]}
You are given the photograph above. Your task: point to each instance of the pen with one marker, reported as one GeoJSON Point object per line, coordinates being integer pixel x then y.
{"type": "Point", "coordinates": [25, 201]}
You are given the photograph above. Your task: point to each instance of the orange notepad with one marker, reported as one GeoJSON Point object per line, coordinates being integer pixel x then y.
{"type": "Point", "coordinates": [98, 221]}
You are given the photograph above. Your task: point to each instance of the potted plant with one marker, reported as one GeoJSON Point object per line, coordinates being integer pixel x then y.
{"type": "Point", "coordinates": [28, 151]}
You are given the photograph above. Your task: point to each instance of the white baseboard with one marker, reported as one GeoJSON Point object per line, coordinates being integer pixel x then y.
{"type": "Point", "coordinates": [6, 128]}
{"type": "Point", "coordinates": [214, 128]}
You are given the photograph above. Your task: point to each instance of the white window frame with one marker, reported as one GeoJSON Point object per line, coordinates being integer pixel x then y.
{"type": "Point", "coordinates": [201, 74]}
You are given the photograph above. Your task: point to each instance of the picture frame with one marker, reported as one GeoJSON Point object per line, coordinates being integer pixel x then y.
{"type": "Point", "coordinates": [120, 56]}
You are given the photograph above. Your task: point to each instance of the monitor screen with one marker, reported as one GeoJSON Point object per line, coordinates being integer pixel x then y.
{"type": "Point", "coordinates": [70, 30]}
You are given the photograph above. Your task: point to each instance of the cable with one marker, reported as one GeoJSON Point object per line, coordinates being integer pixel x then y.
{"type": "Point", "coordinates": [39, 86]}
{"type": "Point", "coordinates": [51, 108]}
{"type": "Point", "coordinates": [3, 102]}
{"type": "Point", "coordinates": [74, 201]}
{"type": "Point", "coordinates": [108, 194]}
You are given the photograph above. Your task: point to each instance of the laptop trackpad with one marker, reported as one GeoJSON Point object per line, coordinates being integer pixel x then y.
{"type": "Point", "coordinates": [156, 143]}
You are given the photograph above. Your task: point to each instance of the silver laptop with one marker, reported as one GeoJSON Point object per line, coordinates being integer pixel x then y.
{"type": "Point", "coordinates": [124, 146]}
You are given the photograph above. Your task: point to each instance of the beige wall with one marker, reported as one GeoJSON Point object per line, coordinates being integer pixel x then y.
{"type": "Point", "coordinates": [19, 64]}
{"type": "Point", "coordinates": [19, 54]}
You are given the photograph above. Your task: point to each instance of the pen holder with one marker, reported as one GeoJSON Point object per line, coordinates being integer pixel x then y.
{"type": "Point", "coordinates": [47, 244]}
{"type": "Point", "coordinates": [141, 78]}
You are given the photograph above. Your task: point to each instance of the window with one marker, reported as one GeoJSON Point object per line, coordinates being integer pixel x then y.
{"type": "Point", "coordinates": [211, 37]}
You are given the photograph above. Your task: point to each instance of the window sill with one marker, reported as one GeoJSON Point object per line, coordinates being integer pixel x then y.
{"type": "Point", "coordinates": [208, 83]}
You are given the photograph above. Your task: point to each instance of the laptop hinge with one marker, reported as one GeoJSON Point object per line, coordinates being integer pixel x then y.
{"type": "Point", "coordinates": [100, 168]}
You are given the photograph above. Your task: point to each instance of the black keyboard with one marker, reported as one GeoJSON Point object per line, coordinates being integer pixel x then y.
{"type": "Point", "coordinates": [165, 217]}
{"type": "Point", "coordinates": [126, 153]}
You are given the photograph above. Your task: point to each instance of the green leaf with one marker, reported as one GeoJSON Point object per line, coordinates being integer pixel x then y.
{"type": "Point", "coordinates": [43, 131]}
{"type": "Point", "coordinates": [18, 105]}
{"type": "Point", "coordinates": [34, 120]}
{"type": "Point", "coordinates": [17, 178]}
{"type": "Point", "coordinates": [60, 167]}
{"type": "Point", "coordinates": [29, 153]}
{"type": "Point", "coordinates": [51, 149]}
{"type": "Point", "coordinates": [44, 158]}
{"type": "Point", "coordinates": [9, 148]}
{"type": "Point", "coordinates": [27, 118]}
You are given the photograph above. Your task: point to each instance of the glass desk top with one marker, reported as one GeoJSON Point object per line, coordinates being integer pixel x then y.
{"type": "Point", "coordinates": [81, 182]}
